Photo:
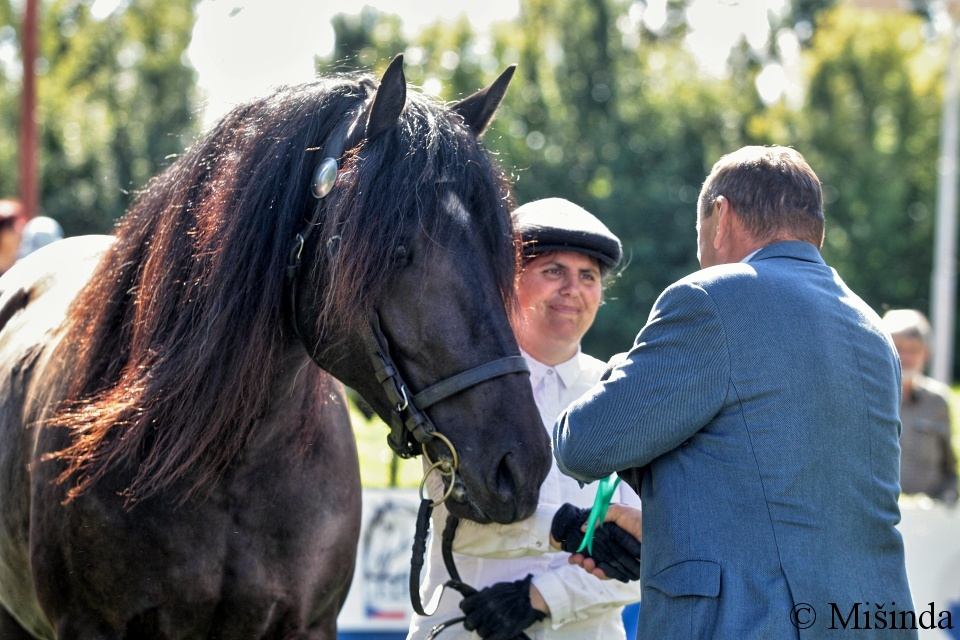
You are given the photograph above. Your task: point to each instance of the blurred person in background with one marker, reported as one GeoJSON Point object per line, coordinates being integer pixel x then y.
{"type": "Point", "coordinates": [928, 464]}
{"type": "Point", "coordinates": [12, 220]}
{"type": "Point", "coordinates": [567, 252]}
{"type": "Point", "coordinates": [38, 232]}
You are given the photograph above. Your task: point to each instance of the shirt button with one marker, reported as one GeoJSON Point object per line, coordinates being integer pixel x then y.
{"type": "Point", "coordinates": [549, 372]}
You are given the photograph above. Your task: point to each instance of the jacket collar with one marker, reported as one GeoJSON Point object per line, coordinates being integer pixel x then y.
{"type": "Point", "coordinates": [797, 249]}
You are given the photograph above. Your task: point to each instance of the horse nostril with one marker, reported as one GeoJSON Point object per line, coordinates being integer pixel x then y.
{"type": "Point", "coordinates": [506, 479]}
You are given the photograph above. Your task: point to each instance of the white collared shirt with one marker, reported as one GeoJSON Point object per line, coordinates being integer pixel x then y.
{"type": "Point", "coordinates": [551, 385]}
{"type": "Point", "coordinates": [582, 607]}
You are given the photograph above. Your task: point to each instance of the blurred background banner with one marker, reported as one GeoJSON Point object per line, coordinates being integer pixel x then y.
{"type": "Point", "coordinates": [619, 105]}
{"type": "Point", "coordinates": [930, 534]}
{"type": "Point", "coordinates": [379, 598]}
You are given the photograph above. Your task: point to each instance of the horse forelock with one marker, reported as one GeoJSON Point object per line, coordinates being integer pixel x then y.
{"type": "Point", "coordinates": [396, 188]}
{"type": "Point", "coordinates": [179, 335]}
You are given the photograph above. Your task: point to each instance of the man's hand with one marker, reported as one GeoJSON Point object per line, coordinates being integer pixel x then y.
{"type": "Point", "coordinates": [616, 548]}
{"type": "Point", "coordinates": [628, 518]}
{"type": "Point", "coordinates": [501, 611]}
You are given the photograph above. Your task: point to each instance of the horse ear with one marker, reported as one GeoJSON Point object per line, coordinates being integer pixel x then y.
{"type": "Point", "coordinates": [389, 100]}
{"type": "Point", "coordinates": [478, 109]}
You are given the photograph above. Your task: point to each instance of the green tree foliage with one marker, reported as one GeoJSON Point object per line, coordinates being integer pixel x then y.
{"type": "Point", "coordinates": [363, 39]}
{"type": "Point", "coordinates": [802, 15]}
{"type": "Point", "coordinates": [116, 102]}
{"type": "Point", "coordinates": [9, 102]}
{"type": "Point", "coordinates": [870, 127]}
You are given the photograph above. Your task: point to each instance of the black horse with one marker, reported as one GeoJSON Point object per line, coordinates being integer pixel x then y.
{"type": "Point", "coordinates": [172, 466]}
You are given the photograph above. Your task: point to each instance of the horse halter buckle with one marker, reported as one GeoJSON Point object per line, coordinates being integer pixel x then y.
{"type": "Point", "coordinates": [405, 400]}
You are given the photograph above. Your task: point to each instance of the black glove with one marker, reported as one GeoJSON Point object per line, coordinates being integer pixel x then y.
{"type": "Point", "coordinates": [614, 550]}
{"type": "Point", "coordinates": [566, 524]}
{"type": "Point", "coordinates": [501, 611]}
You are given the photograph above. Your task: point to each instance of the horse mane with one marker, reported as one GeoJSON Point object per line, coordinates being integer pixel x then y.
{"type": "Point", "coordinates": [176, 339]}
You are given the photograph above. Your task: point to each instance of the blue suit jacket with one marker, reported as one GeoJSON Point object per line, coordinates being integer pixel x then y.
{"type": "Point", "coordinates": [758, 412]}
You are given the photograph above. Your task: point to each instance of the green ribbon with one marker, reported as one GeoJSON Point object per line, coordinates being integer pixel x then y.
{"type": "Point", "coordinates": [605, 490]}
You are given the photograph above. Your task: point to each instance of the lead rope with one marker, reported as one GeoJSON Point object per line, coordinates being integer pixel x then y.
{"type": "Point", "coordinates": [424, 513]}
{"type": "Point", "coordinates": [447, 468]}
{"type": "Point", "coordinates": [449, 531]}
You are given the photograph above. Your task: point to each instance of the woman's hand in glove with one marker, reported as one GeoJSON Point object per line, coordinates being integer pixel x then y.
{"type": "Point", "coordinates": [501, 611]}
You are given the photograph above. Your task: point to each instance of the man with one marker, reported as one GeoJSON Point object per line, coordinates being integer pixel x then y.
{"type": "Point", "coordinates": [567, 252]}
{"type": "Point", "coordinates": [927, 464]}
{"type": "Point", "coordinates": [11, 226]}
{"type": "Point", "coordinates": [757, 415]}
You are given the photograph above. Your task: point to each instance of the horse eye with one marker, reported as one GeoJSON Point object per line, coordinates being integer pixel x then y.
{"type": "Point", "coordinates": [401, 256]}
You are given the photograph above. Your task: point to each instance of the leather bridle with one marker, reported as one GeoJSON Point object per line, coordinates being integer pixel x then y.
{"type": "Point", "coordinates": [411, 428]}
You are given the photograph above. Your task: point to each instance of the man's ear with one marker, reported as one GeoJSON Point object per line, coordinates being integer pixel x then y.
{"type": "Point", "coordinates": [725, 221]}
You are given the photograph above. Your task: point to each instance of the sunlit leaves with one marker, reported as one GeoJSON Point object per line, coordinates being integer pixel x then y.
{"type": "Point", "coordinates": [870, 127]}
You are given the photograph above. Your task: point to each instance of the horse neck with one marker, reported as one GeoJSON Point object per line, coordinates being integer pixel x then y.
{"type": "Point", "coordinates": [296, 396]}
{"type": "Point", "coordinates": [296, 372]}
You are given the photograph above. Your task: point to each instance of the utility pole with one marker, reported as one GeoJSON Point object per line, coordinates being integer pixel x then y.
{"type": "Point", "coordinates": [943, 287]}
{"type": "Point", "coordinates": [29, 191]}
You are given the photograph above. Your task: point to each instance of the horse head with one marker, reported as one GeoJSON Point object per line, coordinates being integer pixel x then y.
{"type": "Point", "coordinates": [408, 261]}
{"type": "Point", "coordinates": [356, 219]}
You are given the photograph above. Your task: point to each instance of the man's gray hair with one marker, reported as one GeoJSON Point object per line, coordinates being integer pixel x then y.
{"type": "Point", "coordinates": [773, 191]}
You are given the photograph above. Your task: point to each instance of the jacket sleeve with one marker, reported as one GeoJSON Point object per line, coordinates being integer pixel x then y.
{"type": "Point", "coordinates": [573, 594]}
{"type": "Point", "coordinates": [672, 383]}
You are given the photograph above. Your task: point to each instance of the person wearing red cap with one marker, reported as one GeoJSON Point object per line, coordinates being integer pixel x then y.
{"type": "Point", "coordinates": [11, 226]}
